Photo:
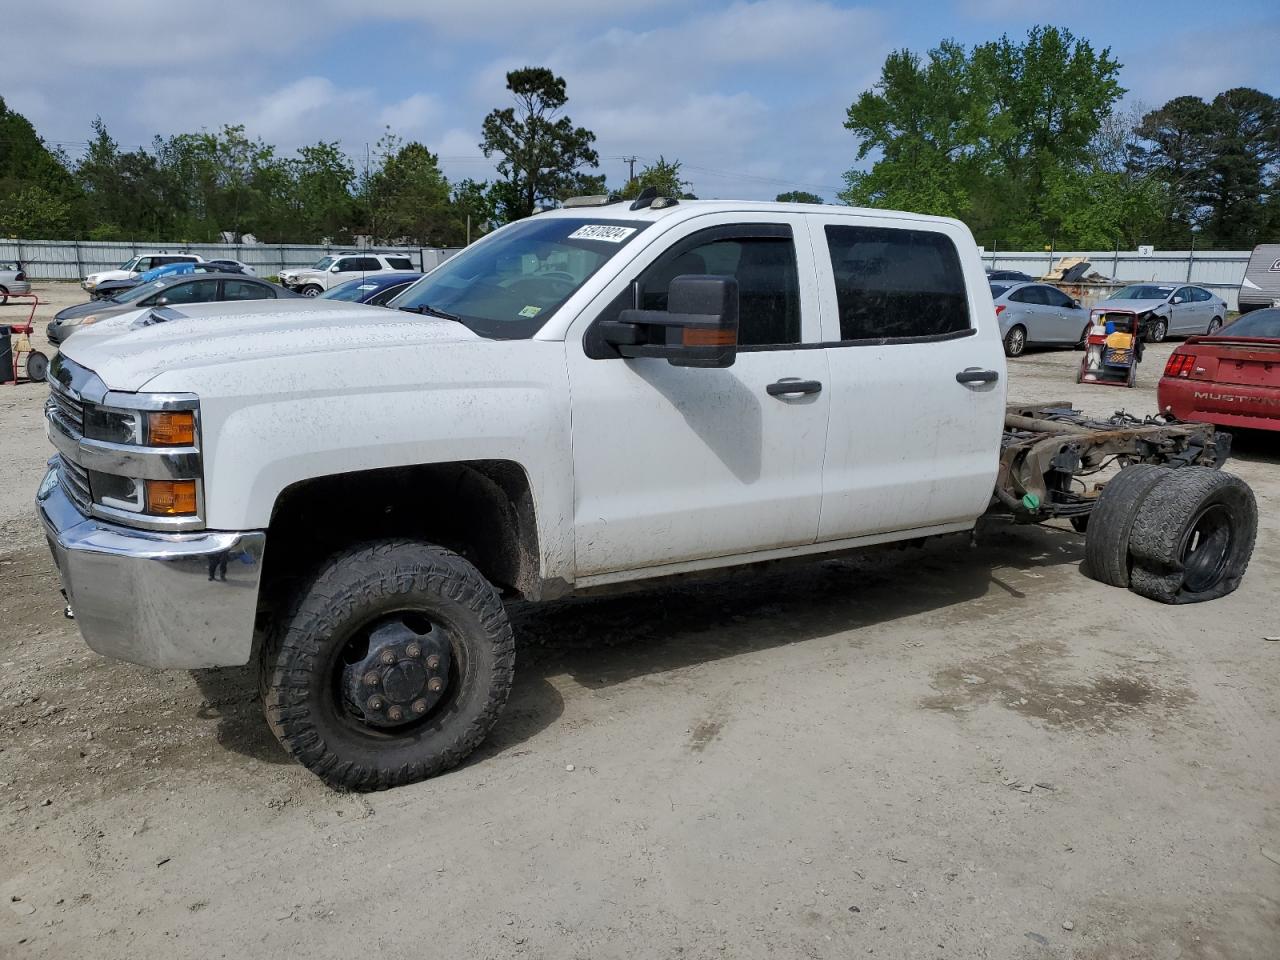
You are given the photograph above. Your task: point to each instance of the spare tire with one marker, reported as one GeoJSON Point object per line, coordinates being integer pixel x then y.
{"type": "Point", "coordinates": [1194, 536]}
{"type": "Point", "coordinates": [1106, 548]}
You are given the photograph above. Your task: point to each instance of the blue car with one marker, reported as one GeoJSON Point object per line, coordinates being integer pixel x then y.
{"type": "Point", "coordinates": [375, 289]}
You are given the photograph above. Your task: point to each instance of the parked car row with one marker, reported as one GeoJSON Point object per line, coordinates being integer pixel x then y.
{"type": "Point", "coordinates": [1041, 314]}
{"type": "Point", "coordinates": [163, 291]}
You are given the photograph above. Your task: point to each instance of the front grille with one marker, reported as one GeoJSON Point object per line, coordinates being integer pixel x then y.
{"type": "Point", "coordinates": [75, 482]}
{"type": "Point", "coordinates": [67, 405]}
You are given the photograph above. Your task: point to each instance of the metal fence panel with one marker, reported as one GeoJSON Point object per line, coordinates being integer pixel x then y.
{"type": "Point", "coordinates": [74, 259]}
{"type": "Point", "coordinates": [1218, 270]}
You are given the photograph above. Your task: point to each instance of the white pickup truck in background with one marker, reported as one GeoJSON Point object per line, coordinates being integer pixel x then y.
{"type": "Point", "coordinates": [589, 398]}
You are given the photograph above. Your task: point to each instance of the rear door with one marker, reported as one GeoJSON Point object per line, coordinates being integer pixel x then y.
{"type": "Point", "coordinates": [1031, 313]}
{"type": "Point", "coordinates": [1069, 320]}
{"type": "Point", "coordinates": [906, 319]}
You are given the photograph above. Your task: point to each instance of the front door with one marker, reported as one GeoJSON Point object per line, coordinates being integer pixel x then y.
{"type": "Point", "coordinates": [675, 464]}
{"type": "Point", "coordinates": [917, 377]}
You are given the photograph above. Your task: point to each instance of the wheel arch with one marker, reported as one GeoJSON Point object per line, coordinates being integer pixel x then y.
{"type": "Point", "coordinates": [481, 509]}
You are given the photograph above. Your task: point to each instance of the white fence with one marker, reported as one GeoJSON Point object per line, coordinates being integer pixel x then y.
{"type": "Point", "coordinates": [73, 259]}
{"type": "Point", "coordinates": [1218, 270]}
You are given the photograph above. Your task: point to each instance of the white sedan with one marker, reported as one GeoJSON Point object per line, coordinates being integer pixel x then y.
{"type": "Point", "coordinates": [1169, 309]}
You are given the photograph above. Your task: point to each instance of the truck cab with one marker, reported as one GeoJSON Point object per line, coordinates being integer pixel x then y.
{"type": "Point", "coordinates": [591, 397]}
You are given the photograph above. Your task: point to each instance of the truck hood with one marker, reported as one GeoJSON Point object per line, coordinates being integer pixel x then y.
{"type": "Point", "coordinates": [1137, 306]}
{"type": "Point", "coordinates": [129, 350]}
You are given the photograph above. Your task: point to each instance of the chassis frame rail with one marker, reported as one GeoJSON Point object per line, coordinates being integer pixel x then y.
{"type": "Point", "coordinates": [1048, 448]}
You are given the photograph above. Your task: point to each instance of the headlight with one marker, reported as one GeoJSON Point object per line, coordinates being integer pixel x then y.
{"type": "Point", "coordinates": [143, 428]}
{"type": "Point", "coordinates": [156, 498]}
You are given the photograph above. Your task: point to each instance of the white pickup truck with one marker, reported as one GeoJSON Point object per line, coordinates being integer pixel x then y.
{"type": "Point", "coordinates": [589, 398]}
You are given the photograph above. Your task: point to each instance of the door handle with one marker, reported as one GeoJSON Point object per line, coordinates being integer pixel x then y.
{"type": "Point", "coordinates": [790, 388]}
{"type": "Point", "coordinates": [974, 375]}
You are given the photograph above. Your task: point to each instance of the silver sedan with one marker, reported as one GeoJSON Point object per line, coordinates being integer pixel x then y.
{"type": "Point", "coordinates": [1036, 313]}
{"type": "Point", "coordinates": [1169, 309]}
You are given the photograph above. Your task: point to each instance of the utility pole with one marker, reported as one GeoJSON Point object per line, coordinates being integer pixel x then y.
{"type": "Point", "coordinates": [631, 167]}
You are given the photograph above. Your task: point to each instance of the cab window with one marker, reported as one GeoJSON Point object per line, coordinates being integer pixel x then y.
{"type": "Point", "coordinates": [763, 261]}
{"type": "Point", "coordinates": [894, 284]}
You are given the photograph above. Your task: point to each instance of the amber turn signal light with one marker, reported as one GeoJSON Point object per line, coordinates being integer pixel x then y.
{"type": "Point", "coordinates": [171, 428]}
{"type": "Point", "coordinates": [171, 498]}
{"type": "Point", "coordinates": [698, 337]}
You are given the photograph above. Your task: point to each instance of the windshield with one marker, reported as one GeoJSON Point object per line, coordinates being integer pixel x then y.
{"type": "Point", "coordinates": [1257, 323]}
{"type": "Point", "coordinates": [509, 284]}
{"type": "Point", "coordinates": [324, 263]}
{"type": "Point", "coordinates": [350, 291]}
{"type": "Point", "coordinates": [1143, 292]}
{"type": "Point", "coordinates": [130, 265]}
{"type": "Point", "coordinates": [136, 293]}
{"type": "Point", "coordinates": [998, 289]}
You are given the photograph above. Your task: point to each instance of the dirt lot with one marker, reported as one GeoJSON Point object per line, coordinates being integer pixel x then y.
{"type": "Point", "coordinates": [952, 752]}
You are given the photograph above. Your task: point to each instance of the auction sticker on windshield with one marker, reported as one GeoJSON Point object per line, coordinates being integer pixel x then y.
{"type": "Point", "coordinates": [602, 231]}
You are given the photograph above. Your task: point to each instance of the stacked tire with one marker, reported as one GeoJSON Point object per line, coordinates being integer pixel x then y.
{"type": "Point", "coordinates": [1172, 535]}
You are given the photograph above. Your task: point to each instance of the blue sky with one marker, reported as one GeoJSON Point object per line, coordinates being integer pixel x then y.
{"type": "Point", "coordinates": [750, 95]}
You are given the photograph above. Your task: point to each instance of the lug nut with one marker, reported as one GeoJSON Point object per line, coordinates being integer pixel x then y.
{"type": "Point", "coordinates": [433, 662]}
{"type": "Point", "coordinates": [413, 650]}
{"type": "Point", "coordinates": [387, 657]}
{"type": "Point", "coordinates": [419, 706]}
{"type": "Point", "coordinates": [395, 713]}
{"type": "Point", "coordinates": [371, 679]}
{"type": "Point", "coordinates": [375, 703]}
{"type": "Point", "coordinates": [435, 684]}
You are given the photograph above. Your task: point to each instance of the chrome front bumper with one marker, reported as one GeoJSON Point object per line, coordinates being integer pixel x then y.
{"type": "Point", "coordinates": [158, 599]}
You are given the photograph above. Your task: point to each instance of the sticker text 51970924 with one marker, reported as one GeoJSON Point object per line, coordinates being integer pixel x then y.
{"type": "Point", "coordinates": [602, 231]}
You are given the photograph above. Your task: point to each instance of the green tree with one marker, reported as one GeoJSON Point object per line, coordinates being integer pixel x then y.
{"type": "Point", "coordinates": [320, 182]}
{"type": "Point", "coordinates": [542, 152]}
{"type": "Point", "coordinates": [1219, 161]}
{"type": "Point", "coordinates": [798, 196]}
{"type": "Point", "coordinates": [983, 134]}
{"type": "Point", "coordinates": [661, 175]}
{"type": "Point", "coordinates": [32, 211]}
{"type": "Point", "coordinates": [38, 195]}
{"type": "Point", "coordinates": [408, 197]}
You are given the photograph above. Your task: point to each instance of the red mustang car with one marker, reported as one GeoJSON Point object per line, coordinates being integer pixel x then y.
{"type": "Point", "coordinates": [1231, 379]}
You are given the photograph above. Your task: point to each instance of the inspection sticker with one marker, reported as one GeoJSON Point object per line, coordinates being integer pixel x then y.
{"type": "Point", "coordinates": [602, 231]}
{"type": "Point", "coordinates": [530, 312]}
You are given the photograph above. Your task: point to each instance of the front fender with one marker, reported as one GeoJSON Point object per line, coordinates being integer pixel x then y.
{"type": "Point", "coordinates": [346, 411]}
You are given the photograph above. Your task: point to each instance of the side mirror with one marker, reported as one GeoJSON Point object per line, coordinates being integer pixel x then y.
{"type": "Point", "coordinates": [1077, 304]}
{"type": "Point", "coordinates": [699, 328]}
{"type": "Point", "coordinates": [1176, 300]}
{"type": "Point", "coordinates": [334, 268]}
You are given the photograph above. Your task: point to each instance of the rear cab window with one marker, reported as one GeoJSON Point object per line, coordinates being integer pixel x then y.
{"type": "Point", "coordinates": [896, 284]}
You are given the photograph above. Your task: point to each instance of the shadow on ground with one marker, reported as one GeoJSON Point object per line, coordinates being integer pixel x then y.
{"type": "Point", "coordinates": [603, 641]}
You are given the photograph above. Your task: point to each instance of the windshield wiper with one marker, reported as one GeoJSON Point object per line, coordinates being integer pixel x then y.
{"type": "Point", "coordinates": [427, 310]}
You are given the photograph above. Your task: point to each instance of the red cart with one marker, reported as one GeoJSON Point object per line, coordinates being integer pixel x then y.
{"type": "Point", "coordinates": [36, 365]}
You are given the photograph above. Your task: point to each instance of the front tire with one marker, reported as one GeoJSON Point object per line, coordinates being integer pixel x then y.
{"type": "Point", "coordinates": [4, 296]}
{"type": "Point", "coordinates": [394, 664]}
{"type": "Point", "coordinates": [1157, 331]}
{"type": "Point", "coordinates": [311, 290]}
{"type": "Point", "coordinates": [1015, 341]}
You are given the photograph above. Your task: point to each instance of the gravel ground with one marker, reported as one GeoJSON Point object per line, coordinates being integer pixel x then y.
{"type": "Point", "coordinates": [944, 752]}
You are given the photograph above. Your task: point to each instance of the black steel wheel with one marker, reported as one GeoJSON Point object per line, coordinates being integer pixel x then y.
{"type": "Point", "coordinates": [394, 665]}
{"type": "Point", "coordinates": [1194, 536]}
